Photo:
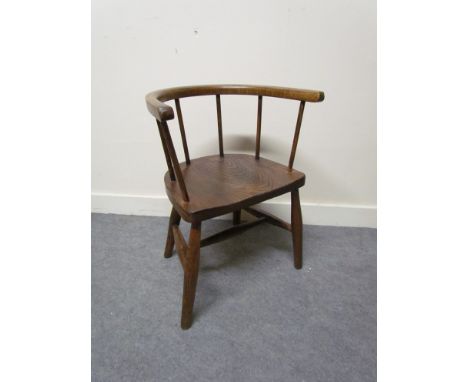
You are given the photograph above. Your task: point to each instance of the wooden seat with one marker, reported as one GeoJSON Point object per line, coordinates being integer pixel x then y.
{"type": "Point", "coordinates": [234, 181]}
{"type": "Point", "coordinates": [211, 186]}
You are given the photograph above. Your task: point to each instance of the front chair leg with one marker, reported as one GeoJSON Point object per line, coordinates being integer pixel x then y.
{"type": "Point", "coordinates": [174, 219]}
{"type": "Point", "coordinates": [192, 261]}
{"type": "Point", "coordinates": [296, 228]}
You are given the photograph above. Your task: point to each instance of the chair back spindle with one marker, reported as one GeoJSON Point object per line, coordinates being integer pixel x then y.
{"type": "Point", "coordinates": [296, 134]}
{"type": "Point", "coordinates": [166, 152]}
{"type": "Point", "coordinates": [182, 131]}
{"type": "Point", "coordinates": [172, 153]}
{"type": "Point", "coordinates": [259, 127]}
{"type": "Point", "coordinates": [220, 125]}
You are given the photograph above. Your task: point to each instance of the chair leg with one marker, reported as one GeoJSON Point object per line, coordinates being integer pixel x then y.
{"type": "Point", "coordinates": [236, 217]}
{"type": "Point", "coordinates": [192, 261]}
{"type": "Point", "coordinates": [174, 219]}
{"type": "Point", "coordinates": [296, 228]}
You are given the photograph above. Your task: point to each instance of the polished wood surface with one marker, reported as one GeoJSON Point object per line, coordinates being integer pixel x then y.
{"type": "Point", "coordinates": [219, 185]}
{"type": "Point", "coordinates": [164, 112]}
{"type": "Point", "coordinates": [210, 186]}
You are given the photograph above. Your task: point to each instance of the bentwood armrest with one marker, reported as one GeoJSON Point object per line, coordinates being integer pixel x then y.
{"type": "Point", "coordinates": [163, 112]}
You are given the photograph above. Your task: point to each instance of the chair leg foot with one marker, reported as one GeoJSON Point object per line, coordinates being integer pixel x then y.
{"type": "Point", "coordinates": [173, 219]}
{"type": "Point", "coordinates": [296, 228]}
{"type": "Point", "coordinates": [191, 275]}
{"type": "Point", "coordinates": [236, 217]}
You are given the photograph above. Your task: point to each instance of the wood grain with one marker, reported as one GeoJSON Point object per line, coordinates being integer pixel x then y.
{"type": "Point", "coordinates": [163, 112]}
{"type": "Point", "coordinates": [220, 185]}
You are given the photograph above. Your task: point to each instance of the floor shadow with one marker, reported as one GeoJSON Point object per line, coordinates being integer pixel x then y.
{"type": "Point", "coordinates": [232, 253]}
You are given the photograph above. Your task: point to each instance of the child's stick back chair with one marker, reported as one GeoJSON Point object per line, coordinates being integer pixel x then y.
{"type": "Point", "coordinates": [211, 186]}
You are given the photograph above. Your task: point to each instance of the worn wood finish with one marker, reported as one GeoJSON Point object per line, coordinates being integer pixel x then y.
{"type": "Point", "coordinates": [174, 219]}
{"type": "Point", "coordinates": [211, 186]}
{"type": "Point", "coordinates": [220, 185]}
{"type": "Point", "coordinates": [269, 218]}
{"type": "Point", "coordinates": [296, 134]}
{"type": "Point", "coordinates": [259, 127]}
{"type": "Point", "coordinates": [296, 225]}
{"type": "Point", "coordinates": [230, 232]}
{"type": "Point", "coordinates": [220, 125]}
{"type": "Point", "coordinates": [163, 112]}
{"type": "Point", "coordinates": [192, 262]}
{"type": "Point", "coordinates": [182, 131]}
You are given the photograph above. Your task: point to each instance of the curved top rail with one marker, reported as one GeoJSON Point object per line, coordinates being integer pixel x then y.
{"type": "Point", "coordinates": [163, 112]}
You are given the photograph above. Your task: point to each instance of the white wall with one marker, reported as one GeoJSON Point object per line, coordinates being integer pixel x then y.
{"type": "Point", "coordinates": [139, 46]}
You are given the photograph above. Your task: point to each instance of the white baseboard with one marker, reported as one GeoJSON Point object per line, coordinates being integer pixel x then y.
{"type": "Point", "coordinates": [312, 213]}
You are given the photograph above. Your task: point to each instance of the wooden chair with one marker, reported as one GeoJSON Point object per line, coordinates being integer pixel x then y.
{"type": "Point", "coordinates": [211, 186]}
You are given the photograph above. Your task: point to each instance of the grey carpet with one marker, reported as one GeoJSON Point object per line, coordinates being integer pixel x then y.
{"type": "Point", "coordinates": [256, 317]}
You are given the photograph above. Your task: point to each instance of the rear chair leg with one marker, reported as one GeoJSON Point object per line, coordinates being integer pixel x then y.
{"type": "Point", "coordinates": [174, 219]}
{"type": "Point", "coordinates": [296, 228]}
{"type": "Point", "coordinates": [192, 261]}
{"type": "Point", "coordinates": [236, 217]}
